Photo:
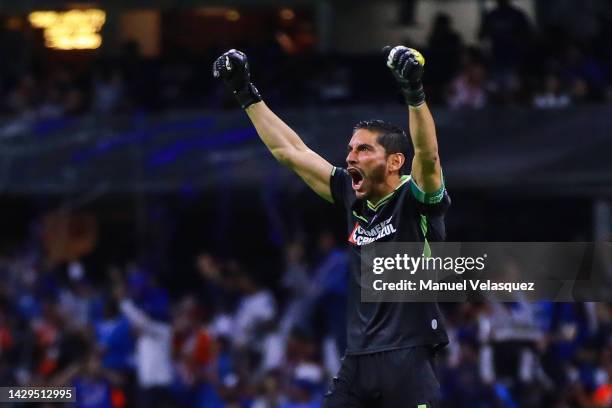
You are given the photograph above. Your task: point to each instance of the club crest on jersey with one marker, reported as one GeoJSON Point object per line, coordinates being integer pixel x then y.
{"type": "Point", "coordinates": [361, 236]}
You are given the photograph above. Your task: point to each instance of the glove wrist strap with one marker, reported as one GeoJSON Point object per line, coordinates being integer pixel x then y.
{"type": "Point", "coordinates": [414, 94]}
{"type": "Point", "coordinates": [247, 95]}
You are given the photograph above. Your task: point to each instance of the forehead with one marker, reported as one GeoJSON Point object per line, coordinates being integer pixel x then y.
{"type": "Point", "coordinates": [362, 136]}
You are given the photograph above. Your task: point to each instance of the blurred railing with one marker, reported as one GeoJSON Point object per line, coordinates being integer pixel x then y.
{"type": "Point", "coordinates": [533, 151]}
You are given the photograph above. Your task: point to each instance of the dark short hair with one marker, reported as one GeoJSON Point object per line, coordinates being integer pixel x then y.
{"type": "Point", "coordinates": [392, 138]}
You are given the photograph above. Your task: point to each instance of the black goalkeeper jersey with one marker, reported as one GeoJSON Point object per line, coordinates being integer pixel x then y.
{"type": "Point", "coordinates": [405, 215]}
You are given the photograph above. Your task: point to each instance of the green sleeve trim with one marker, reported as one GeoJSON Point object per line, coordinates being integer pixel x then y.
{"type": "Point", "coordinates": [427, 198]}
{"type": "Point", "coordinates": [424, 229]}
{"type": "Point", "coordinates": [333, 170]}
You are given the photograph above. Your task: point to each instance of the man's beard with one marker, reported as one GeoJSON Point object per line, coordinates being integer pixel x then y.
{"type": "Point", "coordinates": [375, 178]}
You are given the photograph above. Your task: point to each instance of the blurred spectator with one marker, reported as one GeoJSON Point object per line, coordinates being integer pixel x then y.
{"type": "Point", "coordinates": [52, 105]}
{"type": "Point", "coordinates": [215, 291]}
{"type": "Point", "coordinates": [114, 339]}
{"type": "Point", "coordinates": [468, 88]}
{"type": "Point", "coordinates": [77, 299]}
{"type": "Point", "coordinates": [509, 358]}
{"type": "Point", "coordinates": [295, 281]}
{"type": "Point", "coordinates": [506, 31]}
{"type": "Point", "coordinates": [107, 91]}
{"type": "Point", "coordinates": [444, 48]}
{"type": "Point", "coordinates": [461, 382]}
{"type": "Point", "coordinates": [75, 102]}
{"type": "Point", "coordinates": [256, 308]}
{"type": "Point", "coordinates": [93, 383]}
{"type": "Point", "coordinates": [270, 394]}
{"type": "Point", "coordinates": [196, 353]}
{"type": "Point", "coordinates": [192, 340]}
{"type": "Point", "coordinates": [153, 344]}
{"type": "Point", "coordinates": [22, 97]}
{"type": "Point", "coordinates": [584, 74]}
{"type": "Point", "coordinates": [306, 389]}
{"type": "Point", "coordinates": [551, 96]}
{"type": "Point", "coordinates": [326, 312]}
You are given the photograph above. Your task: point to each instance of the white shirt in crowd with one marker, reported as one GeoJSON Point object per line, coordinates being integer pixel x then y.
{"type": "Point", "coordinates": [153, 347]}
{"type": "Point", "coordinates": [253, 310]}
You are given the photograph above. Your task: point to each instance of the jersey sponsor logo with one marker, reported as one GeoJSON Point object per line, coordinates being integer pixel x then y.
{"type": "Point", "coordinates": [361, 236]}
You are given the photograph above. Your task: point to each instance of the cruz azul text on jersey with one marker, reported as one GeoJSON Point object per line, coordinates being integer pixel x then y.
{"type": "Point", "coordinates": [361, 236]}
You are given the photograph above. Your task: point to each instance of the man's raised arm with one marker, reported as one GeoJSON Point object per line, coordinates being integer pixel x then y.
{"type": "Point", "coordinates": [406, 64]}
{"type": "Point", "coordinates": [284, 144]}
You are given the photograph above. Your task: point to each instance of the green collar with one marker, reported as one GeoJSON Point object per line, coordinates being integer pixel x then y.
{"type": "Point", "coordinates": [386, 198]}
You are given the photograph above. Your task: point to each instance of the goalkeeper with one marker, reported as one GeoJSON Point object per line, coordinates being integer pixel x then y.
{"type": "Point", "coordinates": [389, 360]}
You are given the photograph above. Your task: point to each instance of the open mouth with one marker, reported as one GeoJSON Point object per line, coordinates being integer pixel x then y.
{"type": "Point", "coordinates": [356, 176]}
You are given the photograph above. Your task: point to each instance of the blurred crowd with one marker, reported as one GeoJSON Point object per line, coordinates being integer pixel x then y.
{"type": "Point", "coordinates": [123, 340]}
{"type": "Point", "coordinates": [236, 339]}
{"type": "Point", "coordinates": [515, 62]}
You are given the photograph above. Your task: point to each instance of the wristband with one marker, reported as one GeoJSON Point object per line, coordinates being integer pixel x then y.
{"type": "Point", "coordinates": [414, 94]}
{"type": "Point", "coordinates": [247, 95]}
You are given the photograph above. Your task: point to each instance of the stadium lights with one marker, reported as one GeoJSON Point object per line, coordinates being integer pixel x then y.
{"type": "Point", "coordinates": [286, 14]}
{"type": "Point", "coordinates": [70, 30]}
{"type": "Point", "coordinates": [232, 15]}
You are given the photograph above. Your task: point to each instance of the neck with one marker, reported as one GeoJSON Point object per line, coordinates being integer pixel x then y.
{"type": "Point", "coordinates": [385, 188]}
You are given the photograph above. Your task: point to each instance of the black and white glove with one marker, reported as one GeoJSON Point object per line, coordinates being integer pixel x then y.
{"type": "Point", "coordinates": [407, 64]}
{"type": "Point", "coordinates": [233, 68]}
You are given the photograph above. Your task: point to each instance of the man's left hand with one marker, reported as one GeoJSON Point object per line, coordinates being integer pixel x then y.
{"type": "Point", "coordinates": [407, 65]}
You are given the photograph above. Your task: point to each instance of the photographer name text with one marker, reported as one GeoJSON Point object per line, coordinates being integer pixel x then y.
{"type": "Point", "coordinates": [466, 284]}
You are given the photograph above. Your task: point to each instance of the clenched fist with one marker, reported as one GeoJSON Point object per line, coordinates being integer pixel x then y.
{"type": "Point", "coordinates": [233, 68]}
{"type": "Point", "coordinates": [407, 64]}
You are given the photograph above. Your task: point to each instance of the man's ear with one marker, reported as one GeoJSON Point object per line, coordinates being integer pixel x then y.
{"type": "Point", "coordinates": [395, 161]}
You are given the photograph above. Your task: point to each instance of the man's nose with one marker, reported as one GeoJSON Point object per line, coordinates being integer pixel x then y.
{"type": "Point", "coordinates": [351, 157]}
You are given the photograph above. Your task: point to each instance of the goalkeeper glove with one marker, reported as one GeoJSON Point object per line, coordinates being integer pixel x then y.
{"type": "Point", "coordinates": [406, 64]}
{"type": "Point", "coordinates": [233, 68]}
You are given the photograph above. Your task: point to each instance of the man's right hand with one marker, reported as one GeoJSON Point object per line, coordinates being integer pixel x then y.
{"type": "Point", "coordinates": [284, 144]}
{"type": "Point", "coordinates": [233, 68]}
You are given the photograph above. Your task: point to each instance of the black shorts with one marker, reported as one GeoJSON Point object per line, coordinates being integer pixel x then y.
{"type": "Point", "coordinates": [403, 378]}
